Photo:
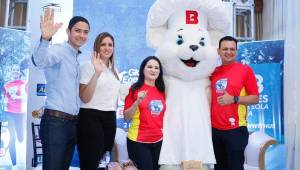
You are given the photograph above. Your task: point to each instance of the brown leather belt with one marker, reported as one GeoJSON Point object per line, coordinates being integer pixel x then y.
{"type": "Point", "coordinates": [62, 115]}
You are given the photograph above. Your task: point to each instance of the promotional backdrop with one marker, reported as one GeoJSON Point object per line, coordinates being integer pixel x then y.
{"type": "Point", "coordinates": [126, 21]}
{"type": "Point", "coordinates": [127, 24]}
{"type": "Point", "coordinates": [14, 58]}
{"type": "Point", "coordinates": [266, 58]}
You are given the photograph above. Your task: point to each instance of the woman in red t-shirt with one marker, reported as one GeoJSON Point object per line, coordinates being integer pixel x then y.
{"type": "Point", "coordinates": [145, 106]}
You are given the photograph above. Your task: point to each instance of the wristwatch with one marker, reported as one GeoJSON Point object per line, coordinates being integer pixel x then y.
{"type": "Point", "coordinates": [235, 99]}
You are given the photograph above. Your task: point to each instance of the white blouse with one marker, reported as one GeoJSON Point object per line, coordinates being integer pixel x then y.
{"type": "Point", "coordinates": [107, 89]}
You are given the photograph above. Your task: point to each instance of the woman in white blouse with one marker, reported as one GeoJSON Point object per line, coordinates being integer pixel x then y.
{"type": "Point", "coordinates": [99, 89]}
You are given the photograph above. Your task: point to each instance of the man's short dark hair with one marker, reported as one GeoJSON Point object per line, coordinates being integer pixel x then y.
{"type": "Point", "coordinates": [76, 19]}
{"type": "Point", "coordinates": [227, 38]}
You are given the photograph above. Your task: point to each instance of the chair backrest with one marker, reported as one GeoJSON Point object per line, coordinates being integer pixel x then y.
{"type": "Point", "coordinates": [256, 148]}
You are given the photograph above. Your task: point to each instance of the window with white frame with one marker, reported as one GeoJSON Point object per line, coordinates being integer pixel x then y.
{"type": "Point", "coordinates": [13, 14]}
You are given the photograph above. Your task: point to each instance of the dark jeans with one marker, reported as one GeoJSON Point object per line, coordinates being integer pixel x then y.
{"type": "Point", "coordinates": [96, 132]}
{"type": "Point", "coordinates": [229, 147]}
{"type": "Point", "coordinates": [144, 155]}
{"type": "Point", "coordinates": [58, 139]}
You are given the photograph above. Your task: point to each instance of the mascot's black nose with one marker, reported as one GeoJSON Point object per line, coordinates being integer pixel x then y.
{"type": "Point", "coordinates": [194, 47]}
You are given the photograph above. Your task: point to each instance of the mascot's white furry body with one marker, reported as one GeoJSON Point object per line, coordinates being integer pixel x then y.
{"type": "Point", "coordinates": [188, 58]}
{"type": "Point", "coordinates": [187, 131]}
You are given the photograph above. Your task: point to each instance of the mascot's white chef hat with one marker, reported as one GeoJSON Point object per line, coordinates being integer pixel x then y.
{"type": "Point", "coordinates": [210, 15]}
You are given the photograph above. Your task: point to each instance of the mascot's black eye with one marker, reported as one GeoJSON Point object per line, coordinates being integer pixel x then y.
{"type": "Point", "coordinates": [202, 43]}
{"type": "Point", "coordinates": [179, 40]}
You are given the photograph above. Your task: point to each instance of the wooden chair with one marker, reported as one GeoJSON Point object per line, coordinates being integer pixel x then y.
{"type": "Point", "coordinates": [255, 151]}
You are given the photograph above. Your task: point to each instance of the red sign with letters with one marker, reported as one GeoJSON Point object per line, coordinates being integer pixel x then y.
{"type": "Point", "coordinates": [191, 17]}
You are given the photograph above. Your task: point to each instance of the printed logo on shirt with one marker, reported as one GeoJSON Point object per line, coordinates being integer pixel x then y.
{"type": "Point", "coordinates": [12, 91]}
{"type": "Point", "coordinates": [232, 121]}
{"type": "Point", "coordinates": [155, 107]}
{"type": "Point", "coordinates": [221, 85]}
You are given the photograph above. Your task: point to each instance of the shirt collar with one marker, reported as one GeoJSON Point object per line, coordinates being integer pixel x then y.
{"type": "Point", "coordinates": [72, 48]}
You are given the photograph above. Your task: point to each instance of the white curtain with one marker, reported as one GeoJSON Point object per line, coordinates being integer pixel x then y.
{"type": "Point", "coordinates": [273, 19]}
{"type": "Point", "coordinates": [292, 83]}
{"type": "Point", "coordinates": [281, 21]}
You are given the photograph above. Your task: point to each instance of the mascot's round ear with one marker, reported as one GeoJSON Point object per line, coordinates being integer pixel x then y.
{"type": "Point", "coordinates": [155, 35]}
{"type": "Point", "coordinates": [216, 17]}
{"type": "Point", "coordinates": [157, 20]}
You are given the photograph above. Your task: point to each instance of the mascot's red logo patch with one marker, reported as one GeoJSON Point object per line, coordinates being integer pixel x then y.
{"type": "Point", "coordinates": [191, 17]}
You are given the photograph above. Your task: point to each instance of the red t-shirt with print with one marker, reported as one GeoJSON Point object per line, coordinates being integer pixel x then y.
{"type": "Point", "coordinates": [237, 80]}
{"type": "Point", "coordinates": [147, 121]}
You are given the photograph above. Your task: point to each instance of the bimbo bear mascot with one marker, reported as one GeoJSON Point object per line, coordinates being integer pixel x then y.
{"type": "Point", "coordinates": [180, 32]}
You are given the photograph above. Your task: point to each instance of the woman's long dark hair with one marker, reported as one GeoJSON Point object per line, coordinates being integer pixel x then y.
{"type": "Point", "coordinates": [159, 82]}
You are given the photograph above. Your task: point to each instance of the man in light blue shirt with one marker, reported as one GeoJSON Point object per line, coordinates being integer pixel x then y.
{"type": "Point", "coordinates": [62, 72]}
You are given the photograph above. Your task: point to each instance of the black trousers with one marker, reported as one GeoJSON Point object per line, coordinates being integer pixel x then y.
{"type": "Point", "coordinates": [229, 147]}
{"type": "Point", "coordinates": [144, 155]}
{"type": "Point", "coordinates": [96, 132]}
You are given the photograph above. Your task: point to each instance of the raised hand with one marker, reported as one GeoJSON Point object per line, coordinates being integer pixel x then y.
{"type": "Point", "coordinates": [97, 63]}
{"type": "Point", "coordinates": [47, 25]}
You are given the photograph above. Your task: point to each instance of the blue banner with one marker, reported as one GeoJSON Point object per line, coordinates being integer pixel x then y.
{"type": "Point", "coordinates": [266, 58]}
{"type": "Point", "coordinates": [14, 59]}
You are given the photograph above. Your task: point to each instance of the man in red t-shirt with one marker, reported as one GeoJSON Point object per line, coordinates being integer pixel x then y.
{"type": "Point", "coordinates": [234, 87]}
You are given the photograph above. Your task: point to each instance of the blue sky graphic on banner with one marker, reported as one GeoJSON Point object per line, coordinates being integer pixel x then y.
{"type": "Point", "coordinates": [266, 59]}
{"type": "Point", "coordinates": [14, 59]}
{"type": "Point", "coordinates": [125, 20]}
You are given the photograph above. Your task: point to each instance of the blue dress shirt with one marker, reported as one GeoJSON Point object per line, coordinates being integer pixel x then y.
{"type": "Point", "coordinates": [62, 73]}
